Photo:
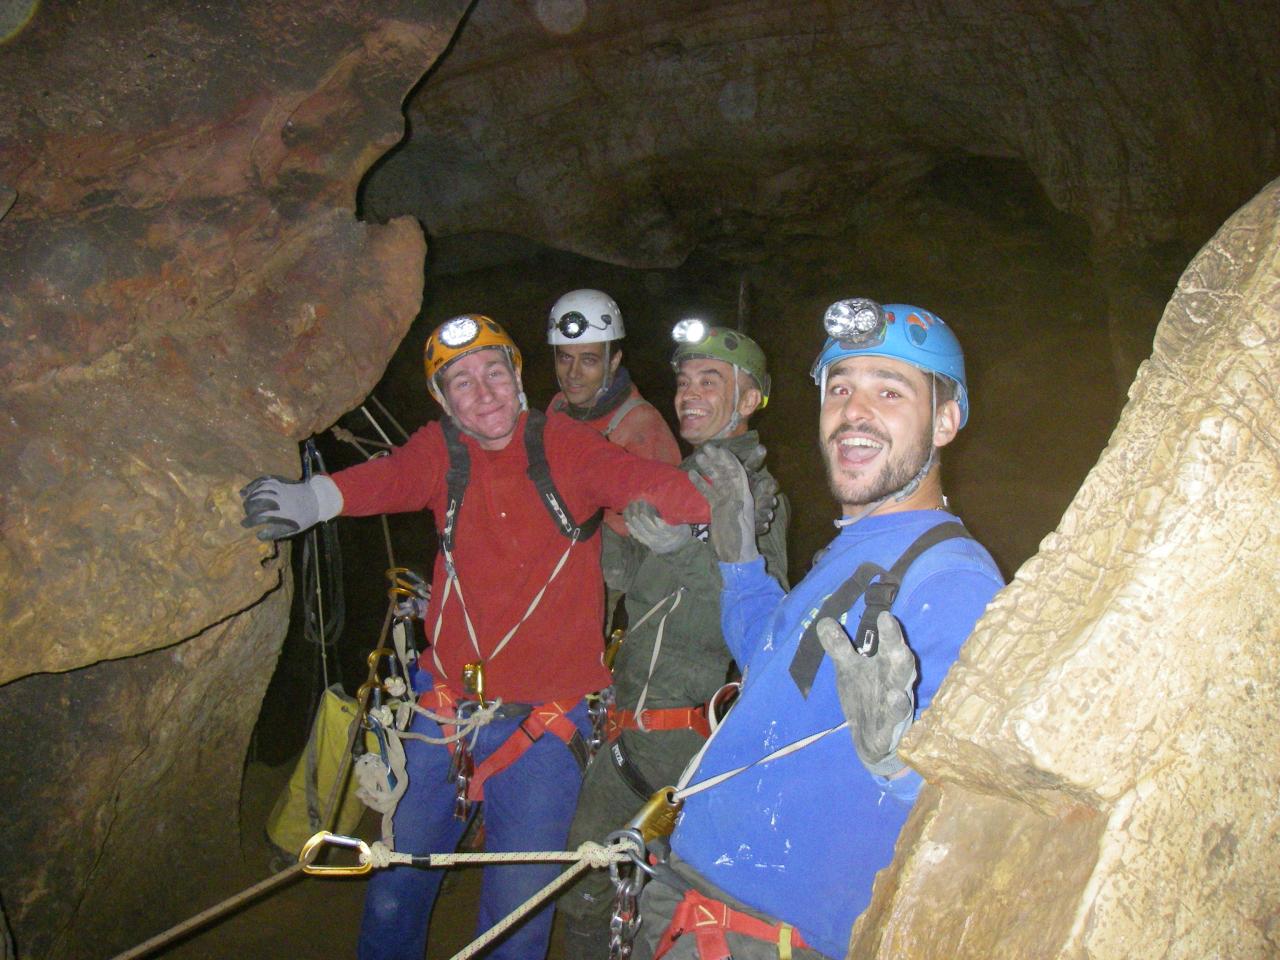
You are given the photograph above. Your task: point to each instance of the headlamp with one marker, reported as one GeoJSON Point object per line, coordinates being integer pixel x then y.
{"type": "Point", "coordinates": [689, 331]}
{"type": "Point", "coordinates": [459, 331]}
{"type": "Point", "coordinates": [854, 322]}
{"type": "Point", "coordinates": [572, 325]}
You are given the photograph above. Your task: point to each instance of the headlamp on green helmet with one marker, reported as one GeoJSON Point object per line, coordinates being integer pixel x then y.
{"type": "Point", "coordinates": [697, 338]}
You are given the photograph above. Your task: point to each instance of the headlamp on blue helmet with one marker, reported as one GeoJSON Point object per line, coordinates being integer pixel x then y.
{"type": "Point", "coordinates": [862, 327]}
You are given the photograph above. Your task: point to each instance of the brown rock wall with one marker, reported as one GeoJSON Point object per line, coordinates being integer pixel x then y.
{"type": "Point", "coordinates": [1127, 670]}
{"type": "Point", "coordinates": [187, 294]}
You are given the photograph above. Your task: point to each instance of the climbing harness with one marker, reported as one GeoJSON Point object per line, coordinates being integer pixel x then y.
{"type": "Point", "coordinates": [709, 920]}
{"type": "Point", "coordinates": [539, 472]}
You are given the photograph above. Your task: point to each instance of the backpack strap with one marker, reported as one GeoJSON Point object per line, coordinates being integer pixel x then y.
{"type": "Point", "coordinates": [881, 589]}
{"type": "Point", "coordinates": [540, 473]}
{"type": "Point", "coordinates": [620, 414]}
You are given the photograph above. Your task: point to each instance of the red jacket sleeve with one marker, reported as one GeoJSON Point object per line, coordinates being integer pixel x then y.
{"type": "Point", "coordinates": [411, 478]}
{"type": "Point", "coordinates": [609, 476]}
{"type": "Point", "coordinates": [644, 433]}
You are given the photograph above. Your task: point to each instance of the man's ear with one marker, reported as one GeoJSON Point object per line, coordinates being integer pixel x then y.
{"type": "Point", "coordinates": [946, 423]}
{"type": "Point", "coordinates": [615, 362]}
{"type": "Point", "coordinates": [749, 400]}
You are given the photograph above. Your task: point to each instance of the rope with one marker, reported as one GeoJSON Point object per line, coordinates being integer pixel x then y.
{"type": "Point", "coordinates": [200, 919]}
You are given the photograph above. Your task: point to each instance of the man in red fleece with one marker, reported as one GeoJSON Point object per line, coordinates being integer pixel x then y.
{"type": "Point", "coordinates": [515, 609]}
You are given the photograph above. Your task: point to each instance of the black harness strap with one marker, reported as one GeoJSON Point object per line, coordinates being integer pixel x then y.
{"type": "Point", "coordinates": [539, 473]}
{"type": "Point", "coordinates": [881, 594]}
{"type": "Point", "coordinates": [627, 770]}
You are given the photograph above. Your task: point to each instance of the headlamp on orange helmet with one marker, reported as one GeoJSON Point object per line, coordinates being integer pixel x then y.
{"type": "Point", "coordinates": [462, 335]}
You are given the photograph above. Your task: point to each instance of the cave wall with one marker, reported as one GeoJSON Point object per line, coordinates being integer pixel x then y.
{"type": "Point", "coordinates": [187, 294]}
{"type": "Point", "coordinates": [1104, 754]}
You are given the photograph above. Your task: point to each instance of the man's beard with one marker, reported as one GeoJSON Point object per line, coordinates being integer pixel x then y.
{"type": "Point", "coordinates": [897, 471]}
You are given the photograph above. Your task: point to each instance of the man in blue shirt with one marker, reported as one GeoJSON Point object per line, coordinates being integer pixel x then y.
{"type": "Point", "coordinates": [784, 826]}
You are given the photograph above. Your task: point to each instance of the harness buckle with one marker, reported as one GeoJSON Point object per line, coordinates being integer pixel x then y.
{"type": "Point", "coordinates": [598, 707]}
{"type": "Point", "coordinates": [473, 680]}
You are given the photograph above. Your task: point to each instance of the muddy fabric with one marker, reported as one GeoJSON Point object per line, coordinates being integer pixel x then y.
{"type": "Point", "coordinates": [692, 665]}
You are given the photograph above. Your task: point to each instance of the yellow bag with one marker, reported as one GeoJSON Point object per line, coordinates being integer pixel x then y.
{"type": "Point", "coordinates": [300, 806]}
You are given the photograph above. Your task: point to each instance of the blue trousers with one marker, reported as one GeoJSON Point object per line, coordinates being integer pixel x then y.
{"type": "Point", "coordinates": [527, 806]}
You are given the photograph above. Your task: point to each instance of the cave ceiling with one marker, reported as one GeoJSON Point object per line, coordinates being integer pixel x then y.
{"type": "Point", "coordinates": [633, 132]}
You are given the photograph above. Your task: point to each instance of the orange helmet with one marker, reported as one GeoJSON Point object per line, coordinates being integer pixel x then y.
{"type": "Point", "coordinates": [462, 335]}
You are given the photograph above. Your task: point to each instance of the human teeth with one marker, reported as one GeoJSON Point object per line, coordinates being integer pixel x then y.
{"type": "Point", "coordinates": [859, 442]}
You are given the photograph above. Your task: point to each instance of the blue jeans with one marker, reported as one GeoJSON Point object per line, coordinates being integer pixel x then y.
{"type": "Point", "coordinates": [528, 806]}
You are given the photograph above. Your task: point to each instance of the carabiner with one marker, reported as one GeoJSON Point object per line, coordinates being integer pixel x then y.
{"type": "Point", "coordinates": [311, 849]}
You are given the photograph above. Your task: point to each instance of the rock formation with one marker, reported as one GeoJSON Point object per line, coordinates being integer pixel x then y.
{"type": "Point", "coordinates": [187, 294]}
{"type": "Point", "coordinates": [1106, 767]}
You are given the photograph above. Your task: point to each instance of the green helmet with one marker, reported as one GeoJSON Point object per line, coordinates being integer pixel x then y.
{"type": "Point", "coordinates": [697, 339]}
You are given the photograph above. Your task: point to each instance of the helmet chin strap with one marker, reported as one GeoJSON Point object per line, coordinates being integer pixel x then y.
{"type": "Point", "coordinates": [735, 418]}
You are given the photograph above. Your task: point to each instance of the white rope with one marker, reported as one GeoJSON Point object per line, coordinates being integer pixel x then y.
{"type": "Point", "coordinates": [657, 648]}
{"type": "Point", "coordinates": [589, 855]}
{"type": "Point", "coordinates": [683, 791]}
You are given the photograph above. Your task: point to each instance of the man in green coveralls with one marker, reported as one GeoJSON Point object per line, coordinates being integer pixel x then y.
{"type": "Point", "coordinates": [673, 659]}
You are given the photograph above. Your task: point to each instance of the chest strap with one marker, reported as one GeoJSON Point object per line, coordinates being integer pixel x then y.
{"type": "Point", "coordinates": [881, 588]}
{"type": "Point", "coordinates": [539, 472]}
{"type": "Point", "coordinates": [709, 920]}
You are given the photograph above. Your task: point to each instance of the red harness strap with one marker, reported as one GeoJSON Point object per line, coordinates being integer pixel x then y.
{"type": "Point", "coordinates": [440, 701]}
{"type": "Point", "coordinates": [546, 717]}
{"type": "Point", "coordinates": [708, 920]}
{"type": "Point", "coordinates": [672, 718]}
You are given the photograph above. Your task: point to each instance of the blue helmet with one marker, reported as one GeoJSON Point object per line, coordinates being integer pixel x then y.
{"type": "Point", "coordinates": [861, 327]}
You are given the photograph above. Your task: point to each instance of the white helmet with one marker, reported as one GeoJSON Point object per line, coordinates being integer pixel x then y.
{"type": "Point", "coordinates": [584, 316]}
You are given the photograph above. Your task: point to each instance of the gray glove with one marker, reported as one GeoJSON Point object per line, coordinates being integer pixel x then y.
{"type": "Point", "coordinates": [650, 529]}
{"type": "Point", "coordinates": [764, 489]}
{"type": "Point", "coordinates": [284, 507]}
{"type": "Point", "coordinates": [723, 481]}
{"type": "Point", "coordinates": [876, 692]}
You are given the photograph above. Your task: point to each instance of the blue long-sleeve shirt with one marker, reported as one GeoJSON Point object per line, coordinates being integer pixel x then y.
{"type": "Point", "coordinates": [802, 837]}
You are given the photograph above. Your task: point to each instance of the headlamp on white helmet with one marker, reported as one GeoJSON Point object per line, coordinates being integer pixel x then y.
{"type": "Point", "coordinates": [584, 316]}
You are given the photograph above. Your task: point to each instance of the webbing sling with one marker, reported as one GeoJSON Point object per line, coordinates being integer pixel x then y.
{"type": "Point", "coordinates": [881, 593]}
{"type": "Point", "coordinates": [539, 472]}
{"type": "Point", "coordinates": [620, 414]}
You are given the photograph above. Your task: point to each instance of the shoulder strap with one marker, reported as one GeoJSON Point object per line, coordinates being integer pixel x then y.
{"type": "Point", "coordinates": [881, 588]}
{"type": "Point", "coordinates": [540, 473]}
{"type": "Point", "coordinates": [620, 414]}
{"type": "Point", "coordinates": [455, 479]}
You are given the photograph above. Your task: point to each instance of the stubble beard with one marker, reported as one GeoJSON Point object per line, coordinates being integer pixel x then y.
{"type": "Point", "coordinates": [897, 471]}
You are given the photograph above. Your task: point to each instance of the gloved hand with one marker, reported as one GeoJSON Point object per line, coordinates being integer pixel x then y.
{"type": "Point", "coordinates": [876, 692]}
{"type": "Point", "coordinates": [649, 528]}
{"type": "Point", "coordinates": [723, 481]}
{"type": "Point", "coordinates": [284, 507]}
{"type": "Point", "coordinates": [764, 489]}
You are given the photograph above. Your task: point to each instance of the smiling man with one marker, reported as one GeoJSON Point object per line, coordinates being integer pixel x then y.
{"type": "Point", "coordinates": [673, 659]}
{"type": "Point", "coordinates": [785, 848]}
{"type": "Point", "coordinates": [585, 331]}
{"type": "Point", "coordinates": [514, 615]}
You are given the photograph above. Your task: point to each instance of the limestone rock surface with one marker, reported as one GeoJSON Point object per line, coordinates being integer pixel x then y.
{"type": "Point", "coordinates": [1121, 689]}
